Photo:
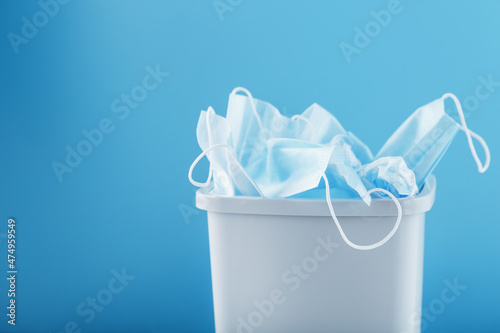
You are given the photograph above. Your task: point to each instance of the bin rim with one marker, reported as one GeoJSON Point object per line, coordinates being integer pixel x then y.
{"type": "Point", "coordinates": [421, 203]}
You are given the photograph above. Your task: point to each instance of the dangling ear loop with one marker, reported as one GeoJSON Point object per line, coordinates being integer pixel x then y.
{"type": "Point", "coordinates": [210, 112]}
{"type": "Point", "coordinates": [470, 134]}
{"type": "Point", "coordinates": [343, 235]}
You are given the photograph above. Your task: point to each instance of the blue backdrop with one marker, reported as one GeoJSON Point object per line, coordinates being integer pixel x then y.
{"type": "Point", "coordinates": [99, 102]}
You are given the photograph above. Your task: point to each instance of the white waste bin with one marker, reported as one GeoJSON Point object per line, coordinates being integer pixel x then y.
{"type": "Point", "coordinates": [280, 265]}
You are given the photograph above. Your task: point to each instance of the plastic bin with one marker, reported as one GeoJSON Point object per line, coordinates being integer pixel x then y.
{"type": "Point", "coordinates": [280, 266]}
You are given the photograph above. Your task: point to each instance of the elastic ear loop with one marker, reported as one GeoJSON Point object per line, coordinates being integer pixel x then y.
{"type": "Point", "coordinates": [308, 122]}
{"type": "Point", "coordinates": [221, 145]}
{"type": "Point", "coordinates": [470, 134]}
{"type": "Point", "coordinates": [210, 111]}
{"type": "Point", "coordinates": [342, 234]}
{"type": "Point", "coordinates": [254, 109]}
{"type": "Point", "coordinates": [195, 162]}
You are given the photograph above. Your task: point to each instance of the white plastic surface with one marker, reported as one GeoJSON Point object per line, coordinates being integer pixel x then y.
{"type": "Point", "coordinates": [273, 270]}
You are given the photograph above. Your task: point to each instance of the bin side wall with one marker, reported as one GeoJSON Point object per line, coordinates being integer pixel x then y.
{"type": "Point", "coordinates": [295, 274]}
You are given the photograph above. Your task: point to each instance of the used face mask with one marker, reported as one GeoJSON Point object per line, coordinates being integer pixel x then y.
{"type": "Point", "coordinates": [425, 136]}
{"type": "Point", "coordinates": [270, 147]}
{"type": "Point", "coordinates": [390, 173]}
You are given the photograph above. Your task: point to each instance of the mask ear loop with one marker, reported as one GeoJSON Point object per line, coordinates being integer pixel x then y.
{"type": "Point", "coordinates": [342, 234]}
{"type": "Point", "coordinates": [470, 134]}
{"type": "Point", "coordinates": [206, 151]}
{"type": "Point", "coordinates": [254, 109]}
{"type": "Point", "coordinates": [210, 112]}
{"type": "Point", "coordinates": [308, 122]}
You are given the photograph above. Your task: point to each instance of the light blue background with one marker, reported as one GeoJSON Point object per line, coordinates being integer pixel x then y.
{"type": "Point", "coordinates": [121, 207]}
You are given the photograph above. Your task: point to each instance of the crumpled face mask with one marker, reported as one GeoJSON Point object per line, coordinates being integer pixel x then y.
{"type": "Point", "coordinates": [390, 173]}
{"type": "Point", "coordinates": [425, 136]}
{"type": "Point", "coordinates": [270, 149]}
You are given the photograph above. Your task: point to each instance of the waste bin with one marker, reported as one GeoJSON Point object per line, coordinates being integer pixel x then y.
{"type": "Point", "coordinates": [280, 265]}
